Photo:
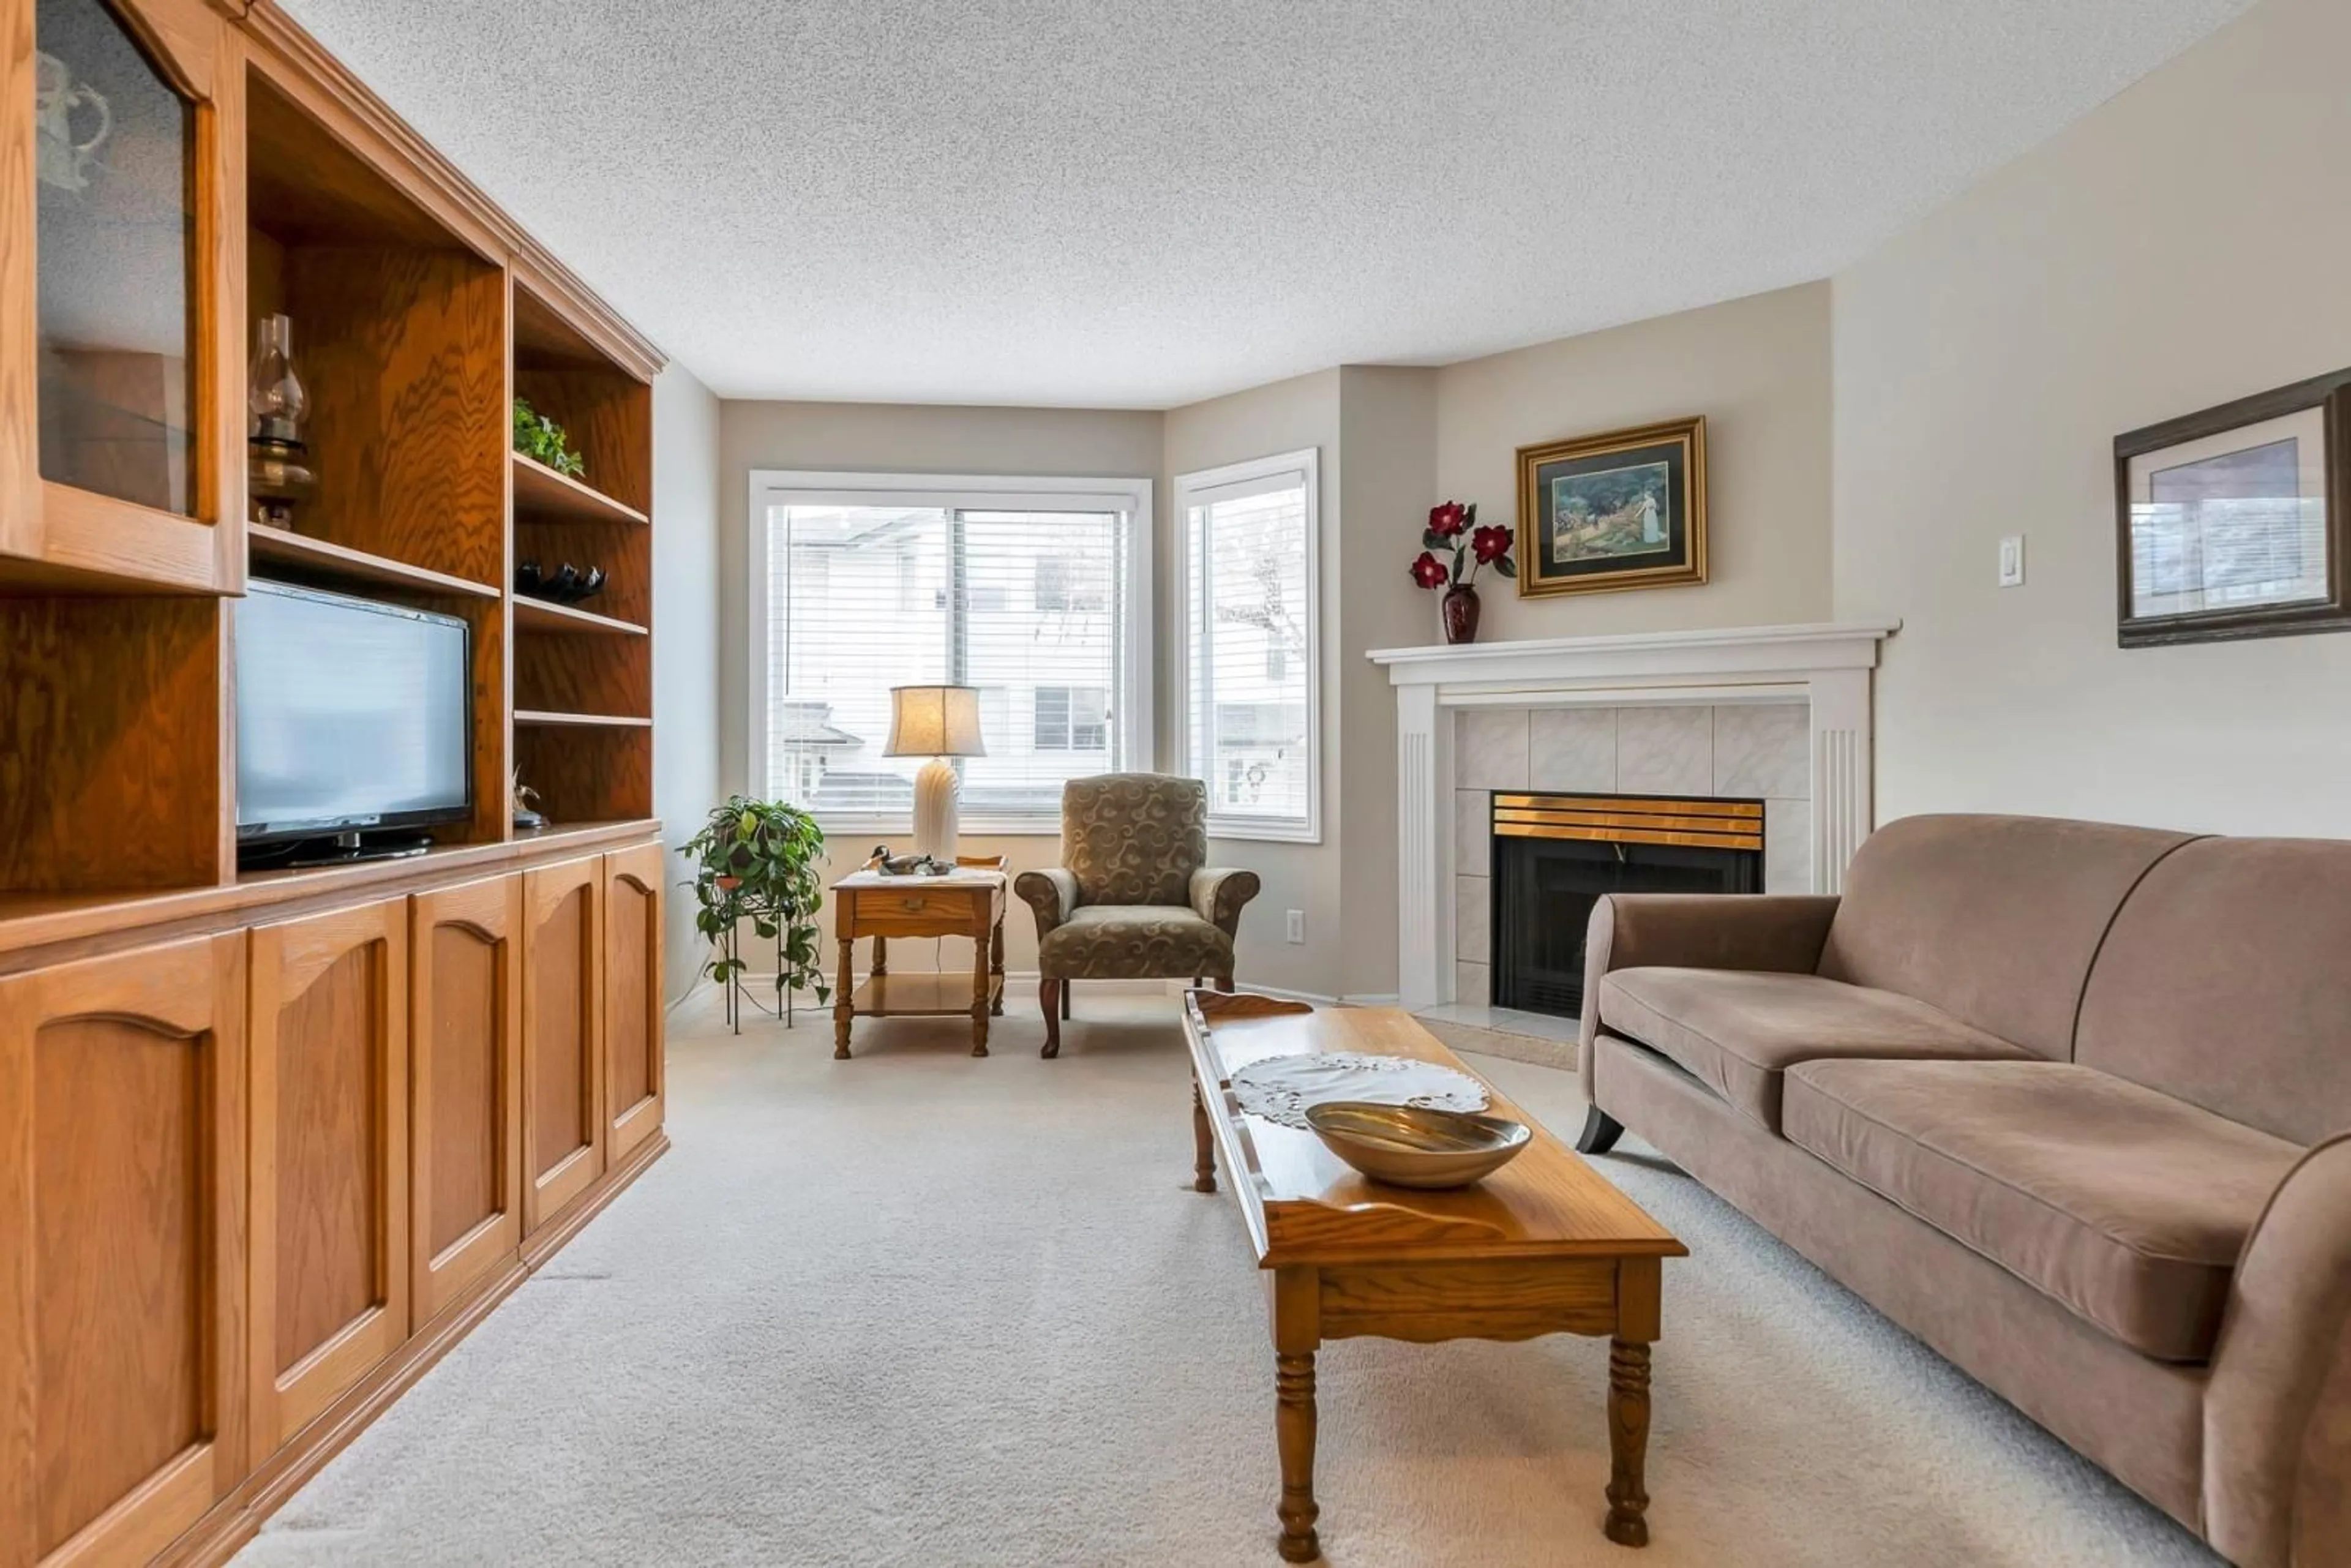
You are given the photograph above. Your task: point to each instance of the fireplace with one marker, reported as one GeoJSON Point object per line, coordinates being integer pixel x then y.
{"type": "Point", "coordinates": [1556, 855]}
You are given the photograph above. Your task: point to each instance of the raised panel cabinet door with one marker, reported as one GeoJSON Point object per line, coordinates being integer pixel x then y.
{"type": "Point", "coordinates": [562, 1017]}
{"type": "Point", "coordinates": [632, 996]}
{"type": "Point", "coordinates": [465, 1130]}
{"type": "Point", "coordinates": [329, 1029]}
{"type": "Point", "coordinates": [123, 1282]}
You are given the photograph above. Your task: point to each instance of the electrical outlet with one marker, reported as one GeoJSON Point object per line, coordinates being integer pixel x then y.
{"type": "Point", "coordinates": [2011, 562]}
{"type": "Point", "coordinates": [1297, 931]}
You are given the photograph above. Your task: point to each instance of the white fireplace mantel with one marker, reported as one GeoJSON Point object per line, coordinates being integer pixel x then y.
{"type": "Point", "coordinates": [1826, 667]}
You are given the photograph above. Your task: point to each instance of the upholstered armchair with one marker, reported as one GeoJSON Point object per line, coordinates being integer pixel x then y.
{"type": "Point", "coordinates": [1133, 898]}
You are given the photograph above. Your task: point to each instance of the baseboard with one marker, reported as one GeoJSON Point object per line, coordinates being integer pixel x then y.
{"type": "Point", "coordinates": [765, 985]}
{"type": "Point", "coordinates": [238, 1518]}
{"type": "Point", "coordinates": [1318, 998]}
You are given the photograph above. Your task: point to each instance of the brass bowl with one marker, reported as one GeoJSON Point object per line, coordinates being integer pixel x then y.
{"type": "Point", "coordinates": [1408, 1145]}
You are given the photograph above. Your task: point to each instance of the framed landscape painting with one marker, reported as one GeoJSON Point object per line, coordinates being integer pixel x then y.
{"type": "Point", "coordinates": [2236, 522]}
{"type": "Point", "coordinates": [1603, 513]}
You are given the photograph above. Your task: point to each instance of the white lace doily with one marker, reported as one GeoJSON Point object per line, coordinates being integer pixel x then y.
{"type": "Point", "coordinates": [1279, 1088]}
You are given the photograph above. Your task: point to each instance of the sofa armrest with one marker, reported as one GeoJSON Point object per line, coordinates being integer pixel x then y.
{"type": "Point", "coordinates": [1051, 893]}
{"type": "Point", "coordinates": [2277, 1408]}
{"type": "Point", "coordinates": [1783, 932]}
{"type": "Point", "coordinates": [1218, 894]}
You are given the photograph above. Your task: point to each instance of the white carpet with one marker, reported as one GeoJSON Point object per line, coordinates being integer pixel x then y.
{"type": "Point", "coordinates": [922, 1309]}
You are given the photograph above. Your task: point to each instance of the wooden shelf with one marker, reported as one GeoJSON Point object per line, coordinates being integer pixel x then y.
{"type": "Point", "coordinates": [541, 718]}
{"type": "Point", "coordinates": [540, 491]}
{"type": "Point", "coordinates": [546, 615]}
{"type": "Point", "coordinates": [264, 543]}
{"type": "Point", "coordinates": [919, 995]}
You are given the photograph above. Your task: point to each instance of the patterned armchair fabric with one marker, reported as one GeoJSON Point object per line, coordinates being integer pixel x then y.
{"type": "Point", "coordinates": [1134, 837]}
{"type": "Point", "coordinates": [1134, 901]}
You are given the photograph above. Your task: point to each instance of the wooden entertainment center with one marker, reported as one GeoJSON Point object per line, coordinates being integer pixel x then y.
{"type": "Point", "coordinates": [271, 1143]}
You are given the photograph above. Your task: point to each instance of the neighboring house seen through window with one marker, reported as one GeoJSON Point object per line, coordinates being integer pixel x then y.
{"type": "Point", "coordinates": [1035, 592]}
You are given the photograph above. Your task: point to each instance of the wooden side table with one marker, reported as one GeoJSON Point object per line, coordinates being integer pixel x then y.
{"type": "Point", "coordinates": [968, 902]}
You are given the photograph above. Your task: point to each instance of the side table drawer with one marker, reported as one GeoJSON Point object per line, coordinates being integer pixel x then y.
{"type": "Point", "coordinates": [921, 911]}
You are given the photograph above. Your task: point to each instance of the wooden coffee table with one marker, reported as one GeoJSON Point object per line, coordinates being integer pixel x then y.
{"type": "Point", "coordinates": [1546, 1245]}
{"type": "Point", "coordinates": [965, 902]}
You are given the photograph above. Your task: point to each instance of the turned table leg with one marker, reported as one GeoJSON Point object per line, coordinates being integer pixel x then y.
{"type": "Point", "coordinates": [996, 967]}
{"type": "Point", "coordinates": [1638, 1284]}
{"type": "Point", "coordinates": [1628, 1442]}
{"type": "Point", "coordinates": [1295, 1297]}
{"type": "Point", "coordinates": [881, 955]}
{"type": "Point", "coordinates": [1294, 1429]}
{"type": "Point", "coordinates": [1203, 1146]}
{"type": "Point", "coordinates": [840, 1013]}
{"type": "Point", "coordinates": [979, 993]}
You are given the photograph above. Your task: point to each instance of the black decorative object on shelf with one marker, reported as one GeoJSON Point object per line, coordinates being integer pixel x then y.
{"type": "Point", "coordinates": [566, 585]}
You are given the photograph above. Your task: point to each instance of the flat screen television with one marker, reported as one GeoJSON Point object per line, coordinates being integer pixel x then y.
{"type": "Point", "coordinates": [353, 718]}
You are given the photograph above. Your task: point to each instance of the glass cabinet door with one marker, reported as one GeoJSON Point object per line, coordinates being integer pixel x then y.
{"type": "Point", "coordinates": [115, 247]}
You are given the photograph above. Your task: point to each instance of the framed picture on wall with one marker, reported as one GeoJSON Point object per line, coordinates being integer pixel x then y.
{"type": "Point", "coordinates": [2236, 522]}
{"type": "Point", "coordinates": [1603, 513]}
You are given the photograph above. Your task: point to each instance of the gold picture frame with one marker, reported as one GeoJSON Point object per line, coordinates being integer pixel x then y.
{"type": "Point", "coordinates": [1602, 514]}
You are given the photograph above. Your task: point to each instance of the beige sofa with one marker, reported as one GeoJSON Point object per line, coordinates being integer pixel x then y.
{"type": "Point", "coordinates": [2067, 1100]}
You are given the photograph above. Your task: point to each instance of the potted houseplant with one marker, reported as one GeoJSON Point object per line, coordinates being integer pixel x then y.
{"type": "Point", "coordinates": [539, 438]}
{"type": "Point", "coordinates": [756, 860]}
{"type": "Point", "coordinates": [1454, 529]}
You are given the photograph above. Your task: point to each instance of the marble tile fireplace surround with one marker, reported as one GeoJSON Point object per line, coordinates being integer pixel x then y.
{"type": "Point", "coordinates": [1780, 714]}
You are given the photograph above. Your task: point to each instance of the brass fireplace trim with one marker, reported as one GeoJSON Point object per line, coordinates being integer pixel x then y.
{"type": "Point", "coordinates": [1631, 820]}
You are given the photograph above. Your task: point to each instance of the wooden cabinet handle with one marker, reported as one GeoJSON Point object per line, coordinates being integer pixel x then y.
{"type": "Point", "coordinates": [912, 906]}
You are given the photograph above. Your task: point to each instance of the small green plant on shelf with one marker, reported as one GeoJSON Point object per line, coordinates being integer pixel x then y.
{"type": "Point", "coordinates": [756, 860]}
{"type": "Point", "coordinates": [539, 438]}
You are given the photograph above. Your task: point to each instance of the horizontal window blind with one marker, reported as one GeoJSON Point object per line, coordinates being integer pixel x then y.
{"type": "Point", "coordinates": [1249, 710]}
{"type": "Point", "coordinates": [1023, 604]}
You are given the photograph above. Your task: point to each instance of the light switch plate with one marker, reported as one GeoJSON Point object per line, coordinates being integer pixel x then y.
{"type": "Point", "coordinates": [2011, 562]}
{"type": "Point", "coordinates": [1297, 931]}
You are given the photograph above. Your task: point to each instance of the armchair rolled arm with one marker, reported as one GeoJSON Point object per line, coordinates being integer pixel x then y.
{"type": "Point", "coordinates": [2277, 1408]}
{"type": "Point", "coordinates": [1053, 893]}
{"type": "Point", "coordinates": [1218, 894]}
{"type": "Point", "coordinates": [1781, 932]}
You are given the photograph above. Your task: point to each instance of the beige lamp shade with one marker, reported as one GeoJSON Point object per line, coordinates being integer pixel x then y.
{"type": "Point", "coordinates": [935, 721]}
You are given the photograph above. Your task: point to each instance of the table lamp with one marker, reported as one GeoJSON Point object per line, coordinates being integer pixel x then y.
{"type": "Point", "coordinates": [936, 722]}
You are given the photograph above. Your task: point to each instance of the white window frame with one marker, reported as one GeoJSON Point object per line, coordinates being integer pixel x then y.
{"type": "Point", "coordinates": [1132, 497]}
{"type": "Point", "coordinates": [1207, 485]}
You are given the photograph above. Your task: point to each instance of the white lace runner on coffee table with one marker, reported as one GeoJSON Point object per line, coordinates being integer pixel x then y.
{"type": "Point", "coordinates": [1279, 1088]}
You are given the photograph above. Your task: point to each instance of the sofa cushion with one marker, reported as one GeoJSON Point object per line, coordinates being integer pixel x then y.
{"type": "Point", "coordinates": [1131, 941]}
{"type": "Point", "coordinates": [1737, 1030]}
{"type": "Point", "coordinates": [2226, 981]}
{"type": "Point", "coordinates": [2124, 1205]}
{"type": "Point", "coordinates": [1995, 920]}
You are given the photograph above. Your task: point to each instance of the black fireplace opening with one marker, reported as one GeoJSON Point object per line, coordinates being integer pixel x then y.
{"type": "Point", "coordinates": [1556, 855]}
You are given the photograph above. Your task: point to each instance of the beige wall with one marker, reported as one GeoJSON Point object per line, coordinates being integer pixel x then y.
{"type": "Point", "coordinates": [686, 663]}
{"type": "Point", "coordinates": [1387, 480]}
{"type": "Point", "coordinates": [2180, 246]}
{"type": "Point", "coordinates": [1284, 417]}
{"type": "Point", "coordinates": [899, 438]}
{"type": "Point", "coordinates": [1757, 368]}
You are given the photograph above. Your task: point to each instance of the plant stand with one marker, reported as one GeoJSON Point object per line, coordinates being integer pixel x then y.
{"type": "Point", "coordinates": [738, 993]}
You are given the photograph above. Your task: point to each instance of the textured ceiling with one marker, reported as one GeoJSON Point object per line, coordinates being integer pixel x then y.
{"type": "Point", "coordinates": [1141, 202]}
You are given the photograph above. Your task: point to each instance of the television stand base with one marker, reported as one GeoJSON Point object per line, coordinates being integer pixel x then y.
{"type": "Point", "coordinates": [333, 849]}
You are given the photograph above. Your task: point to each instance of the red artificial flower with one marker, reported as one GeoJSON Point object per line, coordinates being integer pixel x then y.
{"type": "Point", "coordinates": [1447, 520]}
{"type": "Point", "coordinates": [1489, 544]}
{"type": "Point", "coordinates": [1428, 571]}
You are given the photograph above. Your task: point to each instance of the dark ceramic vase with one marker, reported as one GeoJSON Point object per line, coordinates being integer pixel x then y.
{"type": "Point", "coordinates": [1461, 613]}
